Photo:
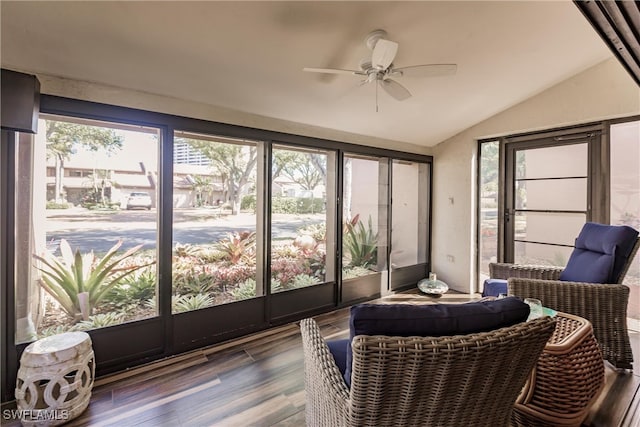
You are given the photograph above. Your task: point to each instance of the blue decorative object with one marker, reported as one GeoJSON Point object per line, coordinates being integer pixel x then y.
{"type": "Point", "coordinates": [494, 287]}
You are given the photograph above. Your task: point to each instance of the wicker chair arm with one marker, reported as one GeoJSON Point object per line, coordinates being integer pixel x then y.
{"type": "Point", "coordinates": [327, 393]}
{"type": "Point", "coordinates": [604, 305]}
{"type": "Point", "coordinates": [507, 270]}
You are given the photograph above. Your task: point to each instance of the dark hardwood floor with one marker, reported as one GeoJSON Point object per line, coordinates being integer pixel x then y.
{"type": "Point", "coordinates": [258, 381]}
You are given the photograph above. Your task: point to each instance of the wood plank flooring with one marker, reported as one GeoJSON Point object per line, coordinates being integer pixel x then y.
{"type": "Point", "coordinates": [258, 381]}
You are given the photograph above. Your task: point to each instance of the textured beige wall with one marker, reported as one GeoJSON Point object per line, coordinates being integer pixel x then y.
{"type": "Point", "coordinates": [163, 104]}
{"type": "Point", "coordinates": [601, 92]}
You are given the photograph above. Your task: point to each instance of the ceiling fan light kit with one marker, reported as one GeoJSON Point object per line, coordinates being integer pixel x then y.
{"type": "Point", "coordinates": [380, 68]}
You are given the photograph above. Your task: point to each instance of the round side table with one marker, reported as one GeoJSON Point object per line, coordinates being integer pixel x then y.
{"type": "Point", "coordinates": [55, 379]}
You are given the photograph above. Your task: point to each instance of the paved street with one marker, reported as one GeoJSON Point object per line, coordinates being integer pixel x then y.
{"type": "Point", "coordinates": [99, 231]}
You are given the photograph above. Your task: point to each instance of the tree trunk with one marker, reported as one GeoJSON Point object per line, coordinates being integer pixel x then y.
{"type": "Point", "coordinates": [234, 196]}
{"type": "Point", "coordinates": [59, 196]}
{"type": "Point", "coordinates": [346, 201]}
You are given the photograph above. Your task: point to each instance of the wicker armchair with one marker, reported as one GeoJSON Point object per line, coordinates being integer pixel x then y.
{"type": "Point", "coordinates": [604, 305]}
{"type": "Point", "coordinates": [409, 381]}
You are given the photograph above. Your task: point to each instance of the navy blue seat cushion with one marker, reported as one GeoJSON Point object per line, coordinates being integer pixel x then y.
{"type": "Point", "coordinates": [407, 320]}
{"type": "Point", "coordinates": [600, 253]}
{"type": "Point", "coordinates": [338, 349]}
{"type": "Point", "coordinates": [494, 287]}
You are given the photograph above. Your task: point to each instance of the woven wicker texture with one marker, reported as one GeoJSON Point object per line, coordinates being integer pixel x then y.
{"type": "Point", "coordinates": [422, 381]}
{"type": "Point", "coordinates": [604, 305]}
{"type": "Point", "coordinates": [567, 379]}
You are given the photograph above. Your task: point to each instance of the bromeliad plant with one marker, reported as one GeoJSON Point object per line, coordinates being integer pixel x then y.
{"type": "Point", "coordinates": [238, 246]}
{"type": "Point", "coordinates": [361, 242]}
{"type": "Point", "coordinates": [79, 282]}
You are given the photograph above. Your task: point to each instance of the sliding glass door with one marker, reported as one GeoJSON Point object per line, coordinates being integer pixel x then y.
{"type": "Point", "coordinates": [625, 198]}
{"type": "Point", "coordinates": [87, 221]}
{"type": "Point", "coordinates": [303, 229]}
{"type": "Point", "coordinates": [409, 222]}
{"type": "Point", "coordinates": [365, 230]}
{"type": "Point", "coordinates": [217, 265]}
{"type": "Point", "coordinates": [547, 200]}
{"type": "Point", "coordinates": [160, 234]}
{"type": "Point", "coordinates": [216, 232]}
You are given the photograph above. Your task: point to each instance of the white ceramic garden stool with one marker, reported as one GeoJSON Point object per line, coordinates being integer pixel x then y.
{"type": "Point", "coordinates": [55, 379]}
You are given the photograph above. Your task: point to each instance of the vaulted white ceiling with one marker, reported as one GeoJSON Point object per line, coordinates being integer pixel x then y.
{"type": "Point", "coordinates": [248, 56]}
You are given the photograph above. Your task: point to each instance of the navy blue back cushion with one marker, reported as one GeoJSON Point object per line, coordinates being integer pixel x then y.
{"type": "Point", "coordinates": [407, 320]}
{"type": "Point", "coordinates": [600, 253]}
{"type": "Point", "coordinates": [338, 349]}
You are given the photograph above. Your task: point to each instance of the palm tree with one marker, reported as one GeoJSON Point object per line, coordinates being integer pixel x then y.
{"type": "Point", "coordinates": [203, 186]}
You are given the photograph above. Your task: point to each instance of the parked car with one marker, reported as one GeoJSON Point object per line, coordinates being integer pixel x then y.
{"type": "Point", "coordinates": [139, 200]}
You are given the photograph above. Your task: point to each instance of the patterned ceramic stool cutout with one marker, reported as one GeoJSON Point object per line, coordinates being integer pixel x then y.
{"type": "Point", "coordinates": [55, 379]}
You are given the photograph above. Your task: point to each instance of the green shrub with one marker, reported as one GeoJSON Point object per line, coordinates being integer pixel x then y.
{"type": "Point", "coordinates": [53, 330]}
{"type": "Point", "coordinates": [134, 289]}
{"type": "Point", "coordinates": [304, 280]}
{"type": "Point", "coordinates": [210, 255]}
{"type": "Point", "coordinates": [318, 231]}
{"type": "Point", "coordinates": [99, 321]}
{"type": "Point", "coordinates": [228, 276]}
{"type": "Point", "coordinates": [182, 303]}
{"type": "Point", "coordinates": [245, 290]}
{"type": "Point", "coordinates": [297, 205]}
{"type": "Point", "coordinates": [310, 205]}
{"type": "Point", "coordinates": [185, 250]}
{"type": "Point", "coordinates": [276, 286]}
{"type": "Point", "coordinates": [318, 264]}
{"type": "Point", "coordinates": [355, 271]}
{"type": "Point", "coordinates": [52, 204]}
{"type": "Point", "coordinates": [248, 203]}
{"type": "Point", "coordinates": [298, 281]}
{"type": "Point", "coordinates": [286, 251]}
{"type": "Point", "coordinates": [286, 205]}
{"type": "Point", "coordinates": [191, 279]}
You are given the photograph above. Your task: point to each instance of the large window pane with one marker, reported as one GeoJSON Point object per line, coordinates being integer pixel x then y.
{"type": "Point", "coordinates": [552, 194]}
{"type": "Point", "coordinates": [625, 196]}
{"type": "Point", "coordinates": [489, 173]}
{"type": "Point", "coordinates": [409, 213]}
{"type": "Point", "coordinates": [86, 225]}
{"type": "Point", "coordinates": [302, 218]}
{"type": "Point", "coordinates": [553, 162]}
{"type": "Point", "coordinates": [536, 254]}
{"type": "Point", "coordinates": [553, 182]}
{"type": "Point", "coordinates": [216, 200]}
{"type": "Point", "coordinates": [365, 217]}
{"type": "Point", "coordinates": [549, 227]}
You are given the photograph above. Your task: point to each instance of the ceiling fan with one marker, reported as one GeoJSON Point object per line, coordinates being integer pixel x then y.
{"type": "Point", "coordinates": [380, 68]}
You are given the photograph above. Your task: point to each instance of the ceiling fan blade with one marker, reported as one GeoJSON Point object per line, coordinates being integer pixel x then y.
{"type": "Point", "coordinates": [383, 54]}
{"type": "Point", "coordinates": [427, 70]}
{"type": "Point", "coordinates": [395, 89]}
{"type": "Point", "coordinates": [334, 71]}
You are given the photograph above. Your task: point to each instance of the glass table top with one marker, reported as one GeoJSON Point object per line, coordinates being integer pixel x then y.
{"type": "Point", "coordinates": [433, 287]}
